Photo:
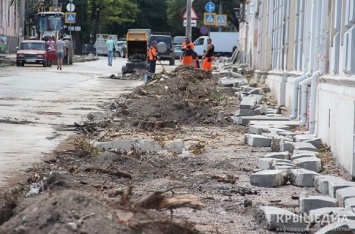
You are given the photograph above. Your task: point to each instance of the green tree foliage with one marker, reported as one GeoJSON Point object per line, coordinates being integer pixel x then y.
{"type": "Point", "coordinates": [152, 15]}
{"type": "Point", "coordinates": [176, 9]}
{"type": "Point", "coordinates": [106, 14]}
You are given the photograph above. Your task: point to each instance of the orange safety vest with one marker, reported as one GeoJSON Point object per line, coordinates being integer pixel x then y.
{"type": "Point", "coordinates": [152, 52]}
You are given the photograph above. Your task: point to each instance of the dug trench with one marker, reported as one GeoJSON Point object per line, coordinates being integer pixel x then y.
{"type": "Point", "coordinates": [191, 177]}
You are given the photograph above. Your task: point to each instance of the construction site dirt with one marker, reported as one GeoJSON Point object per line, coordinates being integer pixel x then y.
{"type": "Point", "coordinates": [181, 167]}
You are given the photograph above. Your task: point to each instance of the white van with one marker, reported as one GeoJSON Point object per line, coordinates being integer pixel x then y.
{"type": "Point", "coordinates": [224, 43]}
{"type": "Point", "coordinates": [100, 43]}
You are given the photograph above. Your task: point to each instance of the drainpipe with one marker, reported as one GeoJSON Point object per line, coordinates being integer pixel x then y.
{"type": "Point", "coordinates": [306, 49]}
{"type": "Point", "coordinates": [312, 39]}
{"type": "Point", "coordinates": [322, 64]}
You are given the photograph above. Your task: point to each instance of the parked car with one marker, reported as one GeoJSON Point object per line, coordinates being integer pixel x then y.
{"type": "Point", "coordinates": [178, 51]}
{"type": "Point", "coordinates": [165, 47]}
{"type": "Point", "coordinates": [34, 52]}
{"type": "Point", "coordinates": [119, 46]}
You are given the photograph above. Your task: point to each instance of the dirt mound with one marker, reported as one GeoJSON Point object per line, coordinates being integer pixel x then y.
{"type": "Point", "coordinates": [81, 212]}
{"type": "Point", "coordinates": [185, 96]}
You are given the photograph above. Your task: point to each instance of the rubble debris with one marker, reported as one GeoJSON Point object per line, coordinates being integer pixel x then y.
{"type": "Point", "coordinates": [225, 178]}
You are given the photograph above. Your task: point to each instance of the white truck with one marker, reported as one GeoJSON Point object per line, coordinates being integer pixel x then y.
{"type": "Point", "coordinates": [224, 43]}
{"type": "Point", "coordinates": [100, 43]}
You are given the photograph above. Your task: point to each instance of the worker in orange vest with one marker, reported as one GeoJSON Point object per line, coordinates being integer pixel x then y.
{"type": "Point", "coordinates": [208, 56]}
{"type": "Point", "coordinates": [153, 56]}
{"type": "Point", "coordinates": [187, 47]}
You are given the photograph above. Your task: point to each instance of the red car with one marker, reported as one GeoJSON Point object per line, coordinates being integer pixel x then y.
{"type": "Point", "coordinates": [35, 52]}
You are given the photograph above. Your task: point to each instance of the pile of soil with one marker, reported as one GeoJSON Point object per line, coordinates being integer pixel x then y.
{"type": "Point", "coordinates": [186, 96]}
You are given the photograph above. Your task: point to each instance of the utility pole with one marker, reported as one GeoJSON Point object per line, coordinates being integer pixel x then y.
{"type": "Point", "coordinates": [188, 19]}
{"type": "Point", "coordinates": [220, 12]}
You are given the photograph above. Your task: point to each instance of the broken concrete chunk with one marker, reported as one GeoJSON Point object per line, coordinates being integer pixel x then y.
{"type": "Point", "coordinates": [248, 102]}
{"type": "Point", "coordinates": [316, 202]}
{"type": "Point", "coordinates": [149, 145]}
{"type": "Point", "coordinates": [321, 183]}
{"type": "Point", "coordinates": [302, 177]}
{"type": "Point", "coordinates": [244, 120]}
{"type": "Point", "coordinates": [279, 155]}
{"type": "Point", "coordinates": [259, 98]}
{"type": "Point", "coordinates": [316, 142]}
{"type": "Point", "coordinates": [309, 163]}
{"type": "Point", "coordinates": [286, 146]}
{"type": "Point", "coordinates": [244, 112]}
{"type": "Point", "coordinates": [305, 154]}
{"type": "Point", "coordinates": [335, 185]}
{"type": "Point", "coordinates": [280, 220]}
{"type": "Point", "coordinates": [256, 91]}
{"type": "Point", "coordinates": [268, 178]}
{"type": "Point", "coordinates": [258, 140]}
{"type": "Point", "coordinates": [344, 194]}
{"type": "Point", "coordinates": [343, 226]}
{"type": "Point", "coordinates": [304, 146]}
{"type": "Point", "coordinates": [260, 110]}
{"type": "Point", "coordinates": [304, 137]}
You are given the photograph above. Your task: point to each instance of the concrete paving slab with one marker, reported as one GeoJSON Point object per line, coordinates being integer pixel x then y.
{"type": "Point", "coordinates": [344, 194]}
{"type": "Point", "coordinates": [309, 163]}
{"type": "Point", "coordinates": [244, 112]}
{"type": "Point", "coordinates": [316, 142]}
{"type": "Point", "coordinates": [246, 119]}
{"type": "Point", "coordinates": [289, 123]}
{"type": "Point", "coordinates": [278, 155]}
{"type": "Point", "coordinates": [277, 219]}
{"type": "Point", "coordinates": [286, 146]}
{"type": "Point", "coordinates": [258, 140]}
{"type": "Point", "coordinates": [302, 177]}
{"type": "Point", "coordinates": [304, 137]}
{"type": "Point", "coordinates": [304, 155]}
{"type": "Point", "coordinates": [340, 227]}
{"type": "Point", "coordinates": [321, 182]}
{"type": "Point", "coordinates": [248, 102]}
{"type": "Point", "coordinates": [268, 178]}
{"type": "Point", "coordinates": [304, 146]}
{"type": "Point", "coordinates": [335, 185]}
{"type": "Point", "coordinates": [316, 202]}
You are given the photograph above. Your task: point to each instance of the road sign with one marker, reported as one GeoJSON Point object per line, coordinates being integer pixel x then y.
{"type": "Point", "coordinates": [209, 18]}
{"type": "Point", "coordinates": [193, 14]}
{"type": "Point", "coordinates": [74, 28]}
{"type": "Point", "coordinates": [70, 17]}
{"type": "Point", "coordinates": [204, 30]}
{"type": "Point", "coordinates": [70, 7]}
{"type": "Point", "coordinates": [210, 7]}
{"type": "Point", "coordinates": [193, 23]}
{"type": "Point", "coordinates": [221, 20]}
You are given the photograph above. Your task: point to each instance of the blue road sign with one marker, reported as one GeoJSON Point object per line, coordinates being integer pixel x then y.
{"type": "Point", "coordinates": [209, 18]}
{"type": "Point", "coordinates": [221, 20]}
{"type": "Point", "coordinates": [210, 7]}
{"type": "Point", "coordinates": [70, 17]}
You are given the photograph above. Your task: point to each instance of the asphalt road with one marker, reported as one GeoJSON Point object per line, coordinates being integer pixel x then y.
{"type": "Point", "coordinates": [34, 100]}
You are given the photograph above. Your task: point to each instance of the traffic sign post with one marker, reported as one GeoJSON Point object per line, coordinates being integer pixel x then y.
{"type": "Point", "coordinates": [221, 20]}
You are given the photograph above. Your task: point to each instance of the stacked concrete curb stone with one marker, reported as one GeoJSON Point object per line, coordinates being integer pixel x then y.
{"type": "Point", "coordinates": [296, 162]}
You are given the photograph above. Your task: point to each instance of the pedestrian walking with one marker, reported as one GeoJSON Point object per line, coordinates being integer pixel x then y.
{"type": "Point", "coordinates": [110, 44]}
{"type": "Point", "coordinates": [51, 43]}
{"type": "Point", "coordinates": [208, 56]}
{"type": "Point", "coordinates": [187, 47]}
{"type": "Point", "coordinates": [61, 50]}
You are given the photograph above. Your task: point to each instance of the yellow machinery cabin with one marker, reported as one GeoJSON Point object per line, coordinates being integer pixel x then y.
{"type": "Point", "coordinates": [137, 51]}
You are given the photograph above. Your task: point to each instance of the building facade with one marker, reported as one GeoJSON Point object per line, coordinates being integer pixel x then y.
{"type": "Point", "coordinates": [10, 32]}
{"type": "Point", "coordinates": [305, 51]}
